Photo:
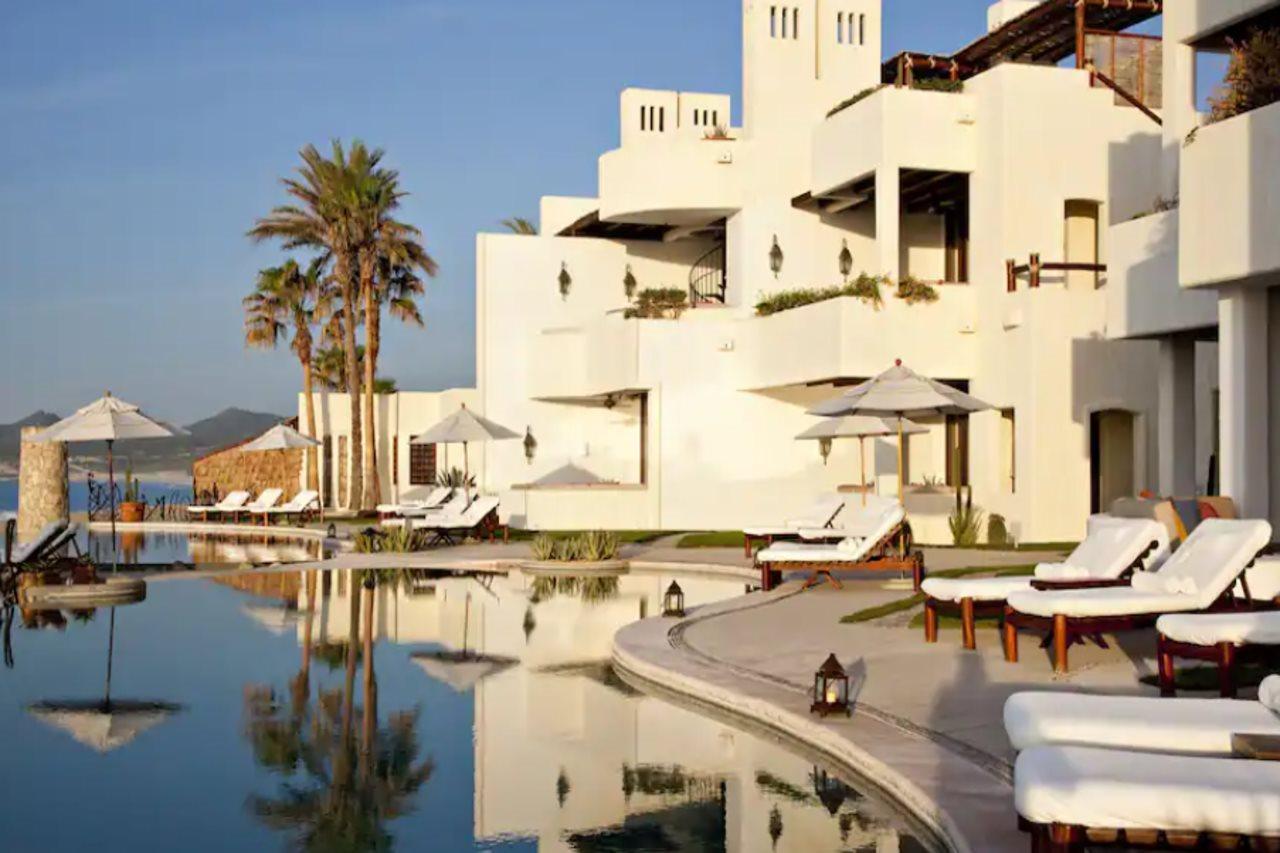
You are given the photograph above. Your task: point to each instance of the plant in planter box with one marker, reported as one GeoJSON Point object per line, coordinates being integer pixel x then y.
{"type": "Point", "coordinates": [1253, 77]}
{"type": "Point", "coordinates": [133, 507]}
{"type": "Point", "coordinates": [659, 303]}
{"type": "Point", "coordinates": [912, 290]}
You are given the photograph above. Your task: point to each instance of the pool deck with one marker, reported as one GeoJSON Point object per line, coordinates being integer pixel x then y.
{"type": "Point", "coordinates": [927, 726]}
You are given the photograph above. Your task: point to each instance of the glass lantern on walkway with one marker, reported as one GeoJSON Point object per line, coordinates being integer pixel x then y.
{"type": "Point", "coordinates": [830, 689]}
{"type": "Point", "coordinates": [673, 601]}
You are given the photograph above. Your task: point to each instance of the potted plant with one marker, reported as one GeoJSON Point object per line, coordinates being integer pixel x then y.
{"type": "Point", "coordinates": [132, 507]}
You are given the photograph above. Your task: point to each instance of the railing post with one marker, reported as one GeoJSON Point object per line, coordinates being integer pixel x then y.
{"type": "Point", "coordinates": [1035, 269]}
{"type": "Point", "coordinates": [1010, 276]}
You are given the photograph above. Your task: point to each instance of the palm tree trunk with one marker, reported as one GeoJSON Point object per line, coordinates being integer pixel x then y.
{"type": "Point", "coordinates": [372, 482]}
{"type": "Point", "coordinates": [313, 470]}
{"type": "Point", "coordinates": [355, 482]}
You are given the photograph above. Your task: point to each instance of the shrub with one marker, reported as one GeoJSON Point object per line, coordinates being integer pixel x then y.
{"type": "Point", "coordinates": [912, 290]}
{"type": "Point", "coordinates": [965, 521]}
{"type": "Point", "coordinates": [132, 489]}
{"type": "Point", "coordinates": [599, 545]}
{"type": "Point", "coordinates": [850, 101]}
{"type": "Point", "coordinates": [595, 546]}
{"type": "Point", "coordinates": [454, 478]}
{"type": "Point", "coordinates": [865, 287]}
{"type": "Point", "coordinates": [927, 84]}
{"type": "Point", "coordinates": [543, 547]}
{"type": "Point", "coordinates": [659, 303]}
{"type": "Point", "coordinates": [401, 540]}
{"type": "Point", "coordinates": [568, 550]}
{"type": "Point", "coordinates": [997, 530]}
{"type": "Point", "coordinates": [1253, 77]}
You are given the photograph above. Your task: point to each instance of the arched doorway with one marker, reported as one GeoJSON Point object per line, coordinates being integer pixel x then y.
{"type": "Point", "coordinates": [1111, 457]}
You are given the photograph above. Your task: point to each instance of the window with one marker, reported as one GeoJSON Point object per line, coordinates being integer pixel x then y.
{"type": "Point", "coordinates": [422, 464]}
{"type": "Point", "coordinates": [715, 118]}
{"type": "Point", "coordinates": [784, 23]}
{"type": "Point", "coordinates": [1080, 241]}
{"type": "Point", "coordinates": [795, 23]}
{"type": "Point", "coordinates": [395, 460]}
{"type": "Point", "coordinates": [326, 482]}
{"type": "Point", "coordinates": [862, 30]}
{"type": "Point", "coordinates": [840, 28]}
{"type": "Point", "coordinates": [773, 22]}
{"type": "Point", "coordinates": [957, 450]}
{"type": "Point", "coordinates": [1009, 449]}
{"type": "Point", "coordinates": [644, 118]}
{"type": "Point", "coordinates": [662, 119]}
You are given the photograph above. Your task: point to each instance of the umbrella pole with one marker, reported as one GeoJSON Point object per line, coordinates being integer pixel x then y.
{"type": "Point", "coordinates": [111, 649]}
{"type": "Point", "coordinates": [862, 453]}
{"type": "Point", "coordinates": [901, 484]}
{"type": "Point", "coordinates": [111, 499]}
{"type": "Point", "coordinates": [466, 473]}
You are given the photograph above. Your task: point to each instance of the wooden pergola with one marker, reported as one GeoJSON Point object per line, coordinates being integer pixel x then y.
{"type": "Point", "coordinates": [1046, 34]}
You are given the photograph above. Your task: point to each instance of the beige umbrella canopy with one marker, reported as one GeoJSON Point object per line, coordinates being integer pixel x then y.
{"type": "Point", "coordinates": [279, 437]}
{"type": "Point", "coordinates": [103, 726]}
{"type": "Point", "coordinates": [464, 427]}
{"type": "Point", "coordinates": [860, 427]}
{"type": "Point", "coordinates": [462, 671]}
{"type": "Point", "coordinates": [108, 419]}
{"type": "Point", "coordinates": [900, 393]}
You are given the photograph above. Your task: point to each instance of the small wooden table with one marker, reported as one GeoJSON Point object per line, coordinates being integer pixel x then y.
{"type": "Point", "coordinates": [1256, 746]}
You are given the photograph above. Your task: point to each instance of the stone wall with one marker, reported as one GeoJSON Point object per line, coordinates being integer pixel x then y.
{"type": "Point", "coordinates": [42, 484]}
{"type": "Point", "coordinates": [230, 470]}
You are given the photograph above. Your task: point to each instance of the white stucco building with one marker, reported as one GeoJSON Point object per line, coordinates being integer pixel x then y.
{"type": "Point", "coordinates": [690, 422]}
{"type": "Point", "coordinates": [1208, 269]}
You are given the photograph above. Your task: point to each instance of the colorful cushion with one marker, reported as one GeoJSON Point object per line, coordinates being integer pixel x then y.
{"type": "Point", "coordinates": [1208, 510]}
{"type": "Point", "coordinates": [1188, 512]}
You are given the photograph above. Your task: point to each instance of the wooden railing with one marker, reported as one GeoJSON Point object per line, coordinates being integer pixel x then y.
{"type": "Point", "coordinates": [1035, 267]}
{"type": "Point", "coordinates": [1097, 76]}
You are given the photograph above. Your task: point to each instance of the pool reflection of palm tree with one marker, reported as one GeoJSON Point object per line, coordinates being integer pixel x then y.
{"type": "Point", "coordinates": [350, 789]}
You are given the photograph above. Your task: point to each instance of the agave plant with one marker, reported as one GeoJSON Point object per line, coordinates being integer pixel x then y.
{"type": "Point", "coordinates": [543, 547]}
{"type": "Point", "coordinates": [596, 546]}
{"type": "Point", "coordinates": [456, 478]}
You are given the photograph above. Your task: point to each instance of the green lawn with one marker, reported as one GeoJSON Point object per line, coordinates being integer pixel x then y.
{"type": "Point", "coordinates": [713, 539]}
{"type": "Point", "coordinates": [917, 599]}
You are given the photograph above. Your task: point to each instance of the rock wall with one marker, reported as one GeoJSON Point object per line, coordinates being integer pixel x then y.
{"type": "Point", "coordinates": [42, 484]}
{"type": "Point", "coordinates": [230, 470]}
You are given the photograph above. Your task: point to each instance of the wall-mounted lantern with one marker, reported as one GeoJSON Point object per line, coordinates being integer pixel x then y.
{"type": "Point", "coordinates": [846, 260]}
{"type": "Point", "coordinates": [673, 601]}
{"type": "Point", "coordinates": [530, 445]}
{"type": "Point", "coordinates": [566, 280]}
{"type": "Point", "coordinates": [830, 689]}
{"type": "Point", "coordinates": [629, 283]}
{"type": "Point", "coordinates": [775, 257]}
{"type": "Point", "coordinates": [824, 447]}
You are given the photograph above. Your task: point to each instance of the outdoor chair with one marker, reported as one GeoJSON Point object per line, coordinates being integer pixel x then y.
{"type": "Point", "coordinates": [1111, 551]}
{"type": "Point", "coordinates": [821, 515]}
{"type": "Point", "coordinates": [479, 520]}
{"type": "Point", "coordinates": [431, 500]}
{"type": "Point", "coordinates": [1223, 639]}
{"type": "Point", "coordinates": [304, 504]}
{"type": "Point", "coordinates": [1197, 578]}
{"type": "Point", "coordinates": [233, 502]}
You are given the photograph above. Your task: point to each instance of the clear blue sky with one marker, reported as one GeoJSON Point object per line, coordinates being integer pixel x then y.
{"type": "Point", "coordinates": [142, 137]}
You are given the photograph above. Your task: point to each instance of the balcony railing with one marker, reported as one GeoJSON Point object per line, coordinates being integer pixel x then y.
{"type": "Point", "coordinates": [1035, 267]}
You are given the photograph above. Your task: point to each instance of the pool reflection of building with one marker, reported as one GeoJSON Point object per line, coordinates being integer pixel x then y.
{"type": "Point", "coordinates": [567, 753]}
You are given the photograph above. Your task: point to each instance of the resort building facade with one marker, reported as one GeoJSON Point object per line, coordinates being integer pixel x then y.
{"type": "Point", "coordinates": [926, 170]}
{"type": "Point", "coordinates": [1206, 268]}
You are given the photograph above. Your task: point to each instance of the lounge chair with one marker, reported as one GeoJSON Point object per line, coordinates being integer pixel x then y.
{"type": "Point", "coordinates": [233, 502]}
{"type": "Point", "coordinates": [877, 550]}
{"type": "Point", "coordinates": [454, 502]}
{"type": "Point", "coordinates": [1110, 552]}
{"type": "Point", "coordinates": [1224, 639]}
{"type": "Point", "coordinates": [46, 542]}
{"type": "Point", "coordinates": [479, 519]}
{"type": "Point", "coordinates": [1140, 723]}
{"type": "Point", "coordinates": [822, 514]}
{"type": "Point", "coordinates": [1073, 798]}
{"type": "Point", "coordinates": [431, 500]}
{"type": "Point", "coordinates": [304, 504]}
{"type": "Point", "coordinates": [1197, 578]}
{"type": "Point", "coordinates": [265, 501]}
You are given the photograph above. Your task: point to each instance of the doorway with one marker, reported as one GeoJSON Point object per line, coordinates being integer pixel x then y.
{"type": "Point", "coordinates": [1111, 457]}
{"type": "Point", "coordinates": [1080, 242]}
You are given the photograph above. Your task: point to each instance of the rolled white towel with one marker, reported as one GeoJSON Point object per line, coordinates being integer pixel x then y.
{"type": "Point", "coordinates": [1157, 583]}
{"type": "Point", "coordinates": [1269, 692]}
{"type": "Point", "coordinates": [852, 544]}
{"type": "Point", "coordinates": [1062, 572]}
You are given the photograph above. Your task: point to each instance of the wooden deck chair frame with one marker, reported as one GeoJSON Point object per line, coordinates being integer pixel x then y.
{"type": "Point", "coordinates": [488, 528]}
{"type": "Point", "coordinates": [1225, 656]}
{"type": "Point", "coordinates": [1064, 838]}
{"type": "Point", "coordinates": [892, 552]}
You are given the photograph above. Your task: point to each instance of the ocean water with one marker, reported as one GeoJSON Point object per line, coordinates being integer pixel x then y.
{"type": "Point", "coordinates": [79, 493]}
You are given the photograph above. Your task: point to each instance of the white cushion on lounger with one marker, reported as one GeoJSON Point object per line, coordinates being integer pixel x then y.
{"type": "Point", "coordinates": [1209, 561]}
{"type": "Point", "coordinates": [1062, 572]}
{"type": "Point", "coordinates": [1191, 726]}
{"type": "Point", "coordinates": [1263, 578]}
{"type": "Point", "coordinates": [979, 589]}
{"type": "Point", "coordinates": [821, 515]}
{"type": "Point", "coordinates": [1209, 629]}
{"type": "Point", "coordinates": [23, 551]}
{"type": "Point", "coordinates": [1269, 693]}
{"type": "Point", "coordinates": [792, 552]}
{"type": "Point", "coordinates": [1118, 789]}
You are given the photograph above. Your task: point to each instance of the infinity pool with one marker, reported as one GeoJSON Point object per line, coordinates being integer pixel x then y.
{"type": "Point", "coordinates": [308, 711]}
{"type": "Point", "coordinates": [155, 548]}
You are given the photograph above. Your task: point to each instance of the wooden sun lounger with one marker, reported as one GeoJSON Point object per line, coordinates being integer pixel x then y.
{"type": "Point", "coordinates": [1226, 654]}
{"type": "Point", "coordinates": [891, 552]}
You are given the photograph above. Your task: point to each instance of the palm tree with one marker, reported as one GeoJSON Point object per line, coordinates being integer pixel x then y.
{"type": "Point", "coordinates": [390, 256]}
{"type": "Point", "coordinates": [288, 300]}
{"type": "Point", "coordinates": [324, 217]}
{"type": "Point", "coordinates": [520, 225]}
{"type": "Point", "coordinates": [329, 370]}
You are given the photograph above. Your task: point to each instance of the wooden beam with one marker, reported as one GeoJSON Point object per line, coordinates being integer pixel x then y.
{"type": "Point", "coordinates": [1080, 32]}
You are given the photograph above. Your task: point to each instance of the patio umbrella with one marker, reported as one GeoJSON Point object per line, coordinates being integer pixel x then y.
{"type": "Point", "coordinates": [860, 427]}
{"type": "Point", "coordinates": [103, 724]}
{"type": "Point", "coordinates": [279, 437]}
{"type": "Point", "coordinates": [464, 427]}
{"type": "Point", "coordinates": [462, 671]}
{"type": "Point", "coordinates": [108, 419]}
{"type": "Point", "coordinates": [900, 393]}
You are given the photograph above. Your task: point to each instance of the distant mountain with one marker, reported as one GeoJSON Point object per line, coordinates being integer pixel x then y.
{"type": "Point", "coordinates": [230, 426]}
{"type": "Point", "coordinates": [11, 434]}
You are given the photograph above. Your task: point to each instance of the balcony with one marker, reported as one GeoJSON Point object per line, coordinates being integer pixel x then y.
{"type": "Point", "coordinates": [910, 128]}
{"type": "Point", "coordinates": [672, 180]}
{"type": "Point", "coordinates": [1230, 202]}
{"type": "Point", "coordinates": [585, 362]}
{"type": "Point", "coordinates": [846, 337]}
{"type": "Point", "coordinates": [1143, 297]}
